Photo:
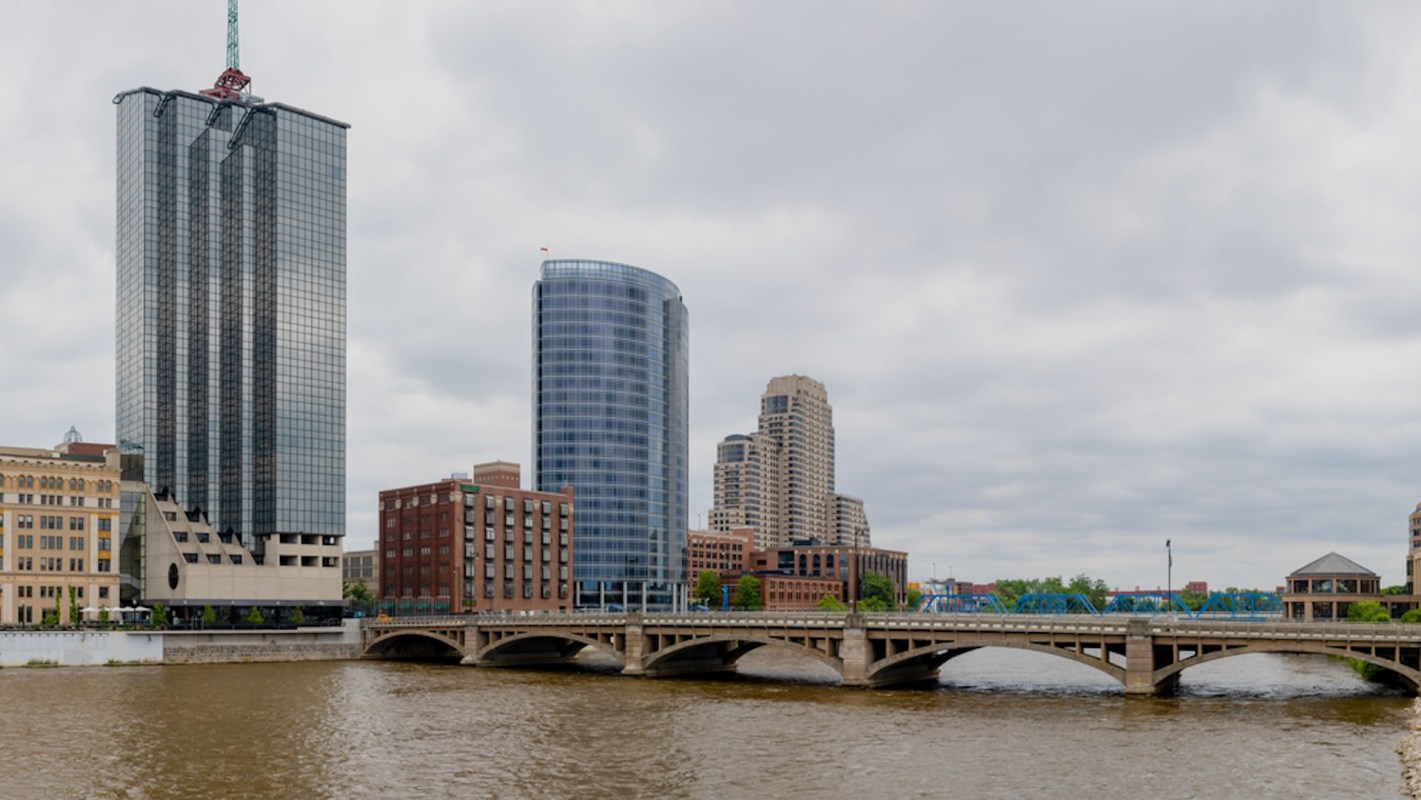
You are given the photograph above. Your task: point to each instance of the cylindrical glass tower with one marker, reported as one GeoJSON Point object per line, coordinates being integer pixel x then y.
{"type": "Point", "coordinates": [611, 419]}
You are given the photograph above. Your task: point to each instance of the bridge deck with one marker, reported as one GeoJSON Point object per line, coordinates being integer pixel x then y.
{"type": "Point", "coordinates": [874, 649]}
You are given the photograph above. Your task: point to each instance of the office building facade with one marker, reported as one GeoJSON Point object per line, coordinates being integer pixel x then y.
{"type": "Point", "coordinates": [231, 323]}
{"type": "Point", "coordinates": [611, 420]}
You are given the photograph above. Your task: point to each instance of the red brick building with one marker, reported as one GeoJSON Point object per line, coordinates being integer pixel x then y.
{"type": "Point", "coordinates": [460, 545]}
{"type": "Point", "coordinates": [794, 577]}
{"type": "Point", "coordinates": [721, 553]}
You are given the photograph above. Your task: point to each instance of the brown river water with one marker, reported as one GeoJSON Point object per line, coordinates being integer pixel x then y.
{"type": "Point", "coordinates": [1002, 724]}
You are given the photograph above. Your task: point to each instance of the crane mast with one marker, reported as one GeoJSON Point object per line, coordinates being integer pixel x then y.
{"type": "Point", "coordinates": [232, 82]}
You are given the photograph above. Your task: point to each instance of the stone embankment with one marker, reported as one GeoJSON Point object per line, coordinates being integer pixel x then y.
{"type": "Point", "coordinates": [93, 648]}
{"type": "Point", "coordinates": [1410, 751]}
{"type": "Point", "coordinates": [230, 647]}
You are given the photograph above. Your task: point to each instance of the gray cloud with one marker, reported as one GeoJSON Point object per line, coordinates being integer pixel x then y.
{"type": "Point", "coordinates": [1079, 278]}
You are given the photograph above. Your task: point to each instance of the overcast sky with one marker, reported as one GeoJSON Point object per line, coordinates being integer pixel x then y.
{"type": "Point", "coordinates": [1079, 277]}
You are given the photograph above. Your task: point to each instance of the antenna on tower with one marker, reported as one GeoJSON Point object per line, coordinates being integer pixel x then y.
{"type": "Point", "coordinates": [232, 82]}
{"type": "Point", "coordinates": [233, 62]}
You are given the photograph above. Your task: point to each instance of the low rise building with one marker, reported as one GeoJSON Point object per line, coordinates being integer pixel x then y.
{"type": "Point", "coordinates": [360, 566]}
{"type": "Point", "coordinates": [460, 546]}
{"type": "Point", "coordinates": [797, 576]}
{"type": "Point", "coordinates": [724, 553]}
{"type": "Point", "coordinates": [187, 566]}
{"type": "Point", "coordinates": [1322, 590]}
{"type": "Point", "coordinates": [59, 509]}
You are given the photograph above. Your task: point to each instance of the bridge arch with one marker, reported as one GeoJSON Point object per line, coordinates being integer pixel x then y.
{"type": "Point", "coordinates": [415, 645]}
{"type": "Point", "coordinates": [1410, 678]}
{"type": "Point", "coordinates": [928, 659]}
{"type": "Point", "coordinates": [535, 646]}
{"type": "Point", "coordinates": [723, 650]}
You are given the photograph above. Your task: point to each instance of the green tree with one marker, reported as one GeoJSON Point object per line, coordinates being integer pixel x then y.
{"type": "Point", "coordinates": [873, 604]}
{"type": "Point", "coordinates": [50, 619]}
{"type": "Point", "coordinates": [103, 614]}
{"type": "Point", "coordinates": [831, 603]}
{"type": "Point", "coordinates": [747, 594]}
{"type": "Point", "coordinates": [707, 591]}
{"type": "Point", "coordinates": [1094, 589]}
{"type": "Point", "coordinates": [160, 616]}
{"type": "Point", "coordinates": [1367, 611]}
{"type": "Point", "coordinates": [1191, 600]}
{"type": "Point", "coordinates": [58, 610]}
{"type": "Point", "coordinates": [255, 616]}
{"type": "Point", "coordinates": [73, 606]}
{"type": "Point", "coordinates": [1412, 617]}
{"type": "Point", "coordinates": [209, 616]}
{"type": "Point", "coordinates": [298, 616]}
{"type": "Point", "coordinates": [915, 596]}
{"type": "Point", "coordinates": [1009, 590]}
{"type": "Point", "coordinates": [362, 600]}
{"type": "Point", "coordinates": [876, 592]}
{"type": "Point", "coordinates": [1389, 590]}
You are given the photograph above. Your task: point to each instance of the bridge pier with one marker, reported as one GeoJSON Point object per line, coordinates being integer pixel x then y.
{"type": "Point", "coordinates": [1140, 661]}
{"type": "Point", "coordinates": [634, 646]}
{"type": "Point", "coordinates": [856, 653]}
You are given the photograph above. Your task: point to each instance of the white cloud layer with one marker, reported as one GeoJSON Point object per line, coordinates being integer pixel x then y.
{"type": "Point", "coordinates": [1079, 277]}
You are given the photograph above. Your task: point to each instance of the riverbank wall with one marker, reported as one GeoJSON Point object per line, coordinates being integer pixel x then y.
{"type": "Point", "coordinates": [235, 647]}
{"type": "Point", "coordinates": [96, 648]}
{"type": "Point", "coordinates": [1410, 752]}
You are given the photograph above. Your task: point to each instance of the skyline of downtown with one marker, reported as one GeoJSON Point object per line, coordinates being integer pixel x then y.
{"type": "Point", "coordinates": [1071, 295]}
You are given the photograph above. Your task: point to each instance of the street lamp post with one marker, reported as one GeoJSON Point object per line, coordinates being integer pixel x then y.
{"type": "Point", "coordinates": [854, 574]}
{"type": "Point", "coordinates": [1169, 576]}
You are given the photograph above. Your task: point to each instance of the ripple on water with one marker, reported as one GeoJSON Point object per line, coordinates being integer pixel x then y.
{"type": "Point", "coordinates": [999, 726]}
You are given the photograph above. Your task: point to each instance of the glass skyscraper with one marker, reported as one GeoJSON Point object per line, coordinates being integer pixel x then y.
{"type": "Point", "coordinates": [611, 419]}
{"type": "Point", "coordinates": [231, 315]}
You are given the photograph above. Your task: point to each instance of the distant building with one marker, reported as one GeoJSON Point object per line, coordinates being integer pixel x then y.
{"type": "Point", "coordinates": [460, 545]}
{"type": "Point", "coordinates": [747, 469]}
{"type": "Point", "coordinates": [59, 511]}
{"type": "Point", "coordinates": [796, 576]}
{"type": "Point", "coordinates": [850, 522]}
{"type": "Point", "coordinates": [1200, 588]}
{"type": "Point", "coordinates": [779, 480]}
{"type": "Point", "coordinates": [845, 565]}
{"type": "Point", "coordinates": [362, 567]}
{"type": "Point", "coordinates": [722, 553]}
{"type": "Point", "coordinates": [1322, 590]}
{"type": "Point", "coordinates": [1413, 556]}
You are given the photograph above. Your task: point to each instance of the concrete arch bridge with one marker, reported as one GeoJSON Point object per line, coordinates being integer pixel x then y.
{"type": "Point", "coordinates": [869, 650]}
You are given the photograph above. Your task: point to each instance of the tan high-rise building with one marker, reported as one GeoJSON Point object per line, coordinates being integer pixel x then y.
{"type": "Point", "coordinates": [779, 481]}
{"type": "Point", "coordinates": [850, 522]}
{"type": "Point", "coordinates": [796, 415]}
{"type": "Point", "coordinates": [747, 470]}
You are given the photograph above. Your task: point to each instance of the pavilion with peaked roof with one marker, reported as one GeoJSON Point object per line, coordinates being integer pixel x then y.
{"type": "Point", "coordinates": [1323, 589]}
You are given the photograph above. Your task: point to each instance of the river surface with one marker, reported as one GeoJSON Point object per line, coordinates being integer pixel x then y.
{"type": "Point", "coordinates": [1003, 724]}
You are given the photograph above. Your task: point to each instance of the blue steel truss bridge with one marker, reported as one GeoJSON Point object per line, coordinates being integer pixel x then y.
{"type": "Point", "coordinates": [1219, 605]}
